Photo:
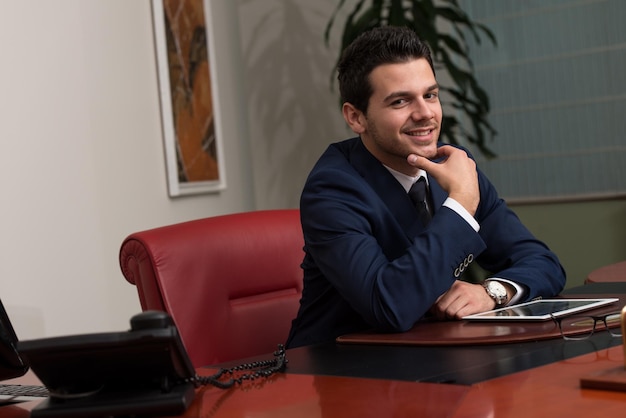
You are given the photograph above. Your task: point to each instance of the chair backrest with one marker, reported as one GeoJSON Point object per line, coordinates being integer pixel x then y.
{"type": "Point", "coordinates": [232, 283]}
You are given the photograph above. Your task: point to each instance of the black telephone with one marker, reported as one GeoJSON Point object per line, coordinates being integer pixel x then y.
{"type": "Point", "coordinates": [143, 371]}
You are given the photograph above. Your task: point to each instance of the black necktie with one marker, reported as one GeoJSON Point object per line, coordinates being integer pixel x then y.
{"type": "Point", "coordinates": [419, 195]}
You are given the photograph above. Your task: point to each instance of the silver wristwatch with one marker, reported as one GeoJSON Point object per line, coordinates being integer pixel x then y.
{"type": "Point", "coordinates": [496, 291]}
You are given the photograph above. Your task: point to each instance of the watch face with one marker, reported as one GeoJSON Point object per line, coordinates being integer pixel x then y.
{"type": "Point", "coordinates": [497, 288]}
{"type": "Point", "coordinates": [497, 291]}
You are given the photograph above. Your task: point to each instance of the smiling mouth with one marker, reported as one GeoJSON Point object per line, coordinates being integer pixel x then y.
{"type": "Point", "coordinates": [420, 132]}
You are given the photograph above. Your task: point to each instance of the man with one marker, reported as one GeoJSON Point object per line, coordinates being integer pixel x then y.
{"type": "Point", "coordinates": [371, 261]}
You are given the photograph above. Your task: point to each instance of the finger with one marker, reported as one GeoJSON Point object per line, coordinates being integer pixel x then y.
{"type": "Point", "coordinates": [448, 305]}
{"type": "Point", "coordinates": [421, 162]}
{"type": "Point", "coordinates": [453, 309]}
{"type": "Point", "coordinates": [424, 163]}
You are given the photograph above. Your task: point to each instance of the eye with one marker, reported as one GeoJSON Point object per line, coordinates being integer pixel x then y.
{"type": "Point", "coordinates": [431, 95]}
{"type": "Point", "coordinates": [399, 102]}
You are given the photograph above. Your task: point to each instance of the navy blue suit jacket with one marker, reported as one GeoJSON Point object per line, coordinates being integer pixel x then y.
{"type": "Point", "coordinates": [369, 262]}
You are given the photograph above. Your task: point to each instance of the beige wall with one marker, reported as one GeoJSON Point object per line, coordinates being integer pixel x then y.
{"type": "Point", "coordinates": [82, 161]}
{"type": "Point", "coordinates": [585, 235]}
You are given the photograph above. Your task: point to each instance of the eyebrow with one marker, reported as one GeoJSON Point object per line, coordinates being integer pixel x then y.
{"type": "Point", "coordinates": [396, 94]}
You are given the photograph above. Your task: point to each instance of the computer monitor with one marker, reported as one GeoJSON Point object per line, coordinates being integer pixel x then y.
{"type": "Point", "coordinates": [11, 364]}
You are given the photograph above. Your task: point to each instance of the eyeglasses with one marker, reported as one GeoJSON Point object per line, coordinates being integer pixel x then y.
{"type": "Point", "coordinates": [582, 327]}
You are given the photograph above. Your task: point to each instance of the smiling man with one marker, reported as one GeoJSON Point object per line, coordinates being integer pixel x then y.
{"type": "Point", "coordinates": [374, 257]}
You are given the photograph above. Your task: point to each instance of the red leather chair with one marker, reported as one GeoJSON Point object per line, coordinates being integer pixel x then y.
{"type": "Point", "coordinates": [231, 283]}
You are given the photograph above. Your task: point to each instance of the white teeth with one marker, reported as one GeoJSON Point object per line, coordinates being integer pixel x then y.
{"type": "Point", "coordinates": [422, 133]}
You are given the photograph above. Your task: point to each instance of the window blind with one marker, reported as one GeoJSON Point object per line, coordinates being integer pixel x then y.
{"type": "Point", "coordinates": [557, 84]}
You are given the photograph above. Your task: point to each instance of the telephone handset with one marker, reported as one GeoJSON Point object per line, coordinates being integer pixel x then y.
{"type": "Point", "coordinates": [145, 370]}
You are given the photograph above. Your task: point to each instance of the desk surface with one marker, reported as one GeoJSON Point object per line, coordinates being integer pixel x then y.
{"type": "Point", "coordinates": [548, 391]}
{"type": "Point", "coordinates": [539, 378]}
{"type": "Point", "coordinates": [448, 364]}
{"type": "Point", "coordinates": [459, 365]}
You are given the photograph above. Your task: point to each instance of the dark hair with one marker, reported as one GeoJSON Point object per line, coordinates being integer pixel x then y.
{"type": "Point", "coordinates": [378, 46]}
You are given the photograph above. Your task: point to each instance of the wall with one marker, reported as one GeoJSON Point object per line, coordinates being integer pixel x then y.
{"type": "Point", "coordinates": [293, 113]}
{"type": "Point", "coordinates": [82, 161]}
{"type": "Point", "coordinates": [585, 235]}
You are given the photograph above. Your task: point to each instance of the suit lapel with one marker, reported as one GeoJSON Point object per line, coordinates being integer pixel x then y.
{"type": "Point", "coordinates": [387, 188]}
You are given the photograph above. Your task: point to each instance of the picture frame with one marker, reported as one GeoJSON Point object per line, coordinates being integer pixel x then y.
{"type": "Point", "coordinates": [190, 116]}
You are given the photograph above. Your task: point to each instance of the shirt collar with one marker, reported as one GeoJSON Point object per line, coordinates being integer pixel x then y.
{"type": "Point", "coordinates": [404, 180]}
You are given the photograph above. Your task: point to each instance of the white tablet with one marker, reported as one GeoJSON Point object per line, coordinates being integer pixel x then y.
{"type": "Point", "coordinates": [542, 309]}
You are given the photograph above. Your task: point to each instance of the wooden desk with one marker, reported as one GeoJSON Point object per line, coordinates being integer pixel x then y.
{"type": "Point", "coordinates": [548, 391]}
{"type": "Point", "coordinates": [460, 364]}
{"type": "Point", "coordinates": [538, 378]}
{"type": "Point", "coordinates": [306, 396]}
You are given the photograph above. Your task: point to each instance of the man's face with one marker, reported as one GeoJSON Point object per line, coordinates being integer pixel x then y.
{"type": "Point", "coordinates": [404, 114]}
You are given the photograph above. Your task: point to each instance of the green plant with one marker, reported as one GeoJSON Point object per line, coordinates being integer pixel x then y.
{"type": "Point", "coordinates": [449, 51]}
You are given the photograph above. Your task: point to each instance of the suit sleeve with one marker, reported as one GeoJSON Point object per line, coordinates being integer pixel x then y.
{"type": "Point", "coordinates": [512, 251]}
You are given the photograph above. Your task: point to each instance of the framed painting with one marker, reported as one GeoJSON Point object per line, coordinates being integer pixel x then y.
{"type": "Point", "coordinates": [189, 112]}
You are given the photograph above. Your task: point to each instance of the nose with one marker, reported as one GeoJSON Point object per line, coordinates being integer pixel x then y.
{"type": "Point", "coordinates": [422, 111]}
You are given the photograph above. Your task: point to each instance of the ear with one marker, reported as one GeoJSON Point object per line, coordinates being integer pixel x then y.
{"type": "Point", "coordinates": [354, 118]}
